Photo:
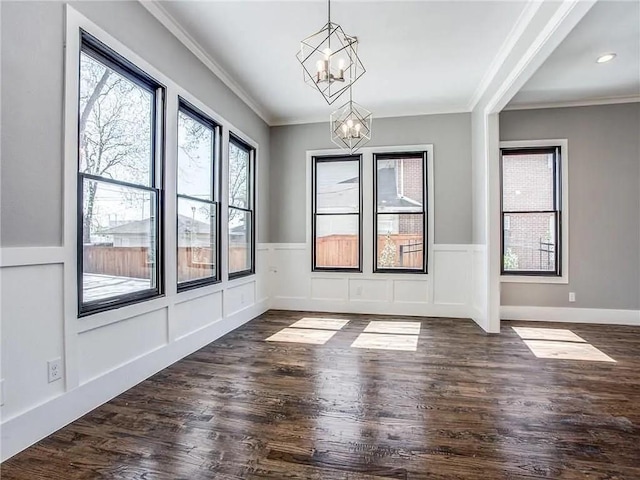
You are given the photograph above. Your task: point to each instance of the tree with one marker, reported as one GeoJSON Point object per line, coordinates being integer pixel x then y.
{"type": "Point", "coordinates": [114, 132]}
{"type": "Point", "coordinates": [238, 185]}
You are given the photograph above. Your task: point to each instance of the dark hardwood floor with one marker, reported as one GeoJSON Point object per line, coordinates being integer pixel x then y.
{"type": "Point", "coordinates": [466, 405]}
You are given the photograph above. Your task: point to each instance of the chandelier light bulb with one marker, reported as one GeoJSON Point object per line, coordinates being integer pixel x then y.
{"type": "Point", "coordinates": [341, 67]}
{"type": "Point", "coordinates": [351, 126]}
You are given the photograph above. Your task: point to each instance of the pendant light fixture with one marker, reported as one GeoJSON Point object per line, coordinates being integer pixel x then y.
{"type": "Point", "coordinates": [351, 125]}
{"type": "Point", "coordinates": [329, 60]}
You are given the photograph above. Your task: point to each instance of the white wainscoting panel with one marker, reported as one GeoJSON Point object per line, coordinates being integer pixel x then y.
{"type": "Point", "coordinates": [290, 268]}
{"type": "Point", "coordinates": [401, 294]}
{"type": "Point", "coordinates": [369, 290]}
{"type": "Point", "coordinates": [452, 282]}
{"type": "Point", "coordinates": [192, 315]}
{"type": "Point", "coordinates": [239, 297]}
{"type": "Point", "coordinates": [111, 352]}
{"type": "Point", "coordinates": [103, 349]}
{"type": "Point", "coordinates": [329, 288]}
{"type": "Point", "coordinates": [263, 260]}
{"type": "Point", "coordinates": [411, 292]}
{"type": "Point", "coordinates": [32, 334]}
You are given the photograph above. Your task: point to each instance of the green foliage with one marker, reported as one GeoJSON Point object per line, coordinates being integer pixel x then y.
{"type": "Point", "coordinates": [510, 260]}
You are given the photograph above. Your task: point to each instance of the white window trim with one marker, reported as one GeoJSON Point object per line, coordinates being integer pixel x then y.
{"type": "Point", "coordinates": [564, 207]}
{"type": "Point", "coordinates": [367, 212]}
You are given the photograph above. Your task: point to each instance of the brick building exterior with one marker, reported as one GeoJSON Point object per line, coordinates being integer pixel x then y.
{"type": "Point", "coordinates": [529, 238]}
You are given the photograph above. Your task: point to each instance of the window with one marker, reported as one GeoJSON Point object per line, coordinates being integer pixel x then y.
{"type": "Point", "coordinates": [531, 211]}
{"type": "Point", "coordinates": [337, 221]}
{"type": "Point", "coordinates": [241, 208]}
{"type": "Point", "coordinates": [198, 146]}
{"type": "Point", "coordinates": [119, 195]}
{"type": "Point", "coordinates": [399, 212]}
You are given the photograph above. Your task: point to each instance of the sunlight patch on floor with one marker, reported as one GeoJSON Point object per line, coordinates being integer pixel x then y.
{"type": "Point", "coordinates": [559, 334]}
{"type": "Point", "coordinates": [320, 323]}
{"type": "Point", "coordinates": [567, 351]}
{"type": "Point", "coordinates": [302, 335]}
{"type": "Point", "coordinates": [381, 341]}
{"type": "Point", "coordinates": [403, 328]}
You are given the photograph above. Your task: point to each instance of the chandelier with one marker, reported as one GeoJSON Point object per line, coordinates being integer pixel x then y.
{"type": "Point", "coordinates": [329, 60]}
{"type": "Point", "coordinates": [351, 125]}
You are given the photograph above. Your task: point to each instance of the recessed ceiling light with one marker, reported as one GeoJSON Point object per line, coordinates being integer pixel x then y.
{"type": "Point", "coordinates": [607, 57]}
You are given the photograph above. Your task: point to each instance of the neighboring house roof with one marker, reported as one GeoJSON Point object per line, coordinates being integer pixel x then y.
{"type": "Point", "coordinates": [142, 227]}
{"type": "Point", "coordinates": [388, 190]}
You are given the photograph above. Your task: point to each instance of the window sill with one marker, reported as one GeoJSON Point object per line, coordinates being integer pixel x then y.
{"type": "Point", "coordinates": [370, 275]}
{"type": "Point", "coordinates": [533, 279]}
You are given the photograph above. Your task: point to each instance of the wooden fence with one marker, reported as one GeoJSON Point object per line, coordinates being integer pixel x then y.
{"type": "Point", "coordinates": [135, 262]}
{"type": "Point", "coordinates": [342, 250]}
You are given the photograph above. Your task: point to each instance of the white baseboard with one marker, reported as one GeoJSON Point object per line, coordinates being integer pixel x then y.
{"type": "Point", "coordinates": [571, 315]}
{"type": "Point", "coordinates": [24, 430]}
{"type": "Point", "coordinates": [371, 308]}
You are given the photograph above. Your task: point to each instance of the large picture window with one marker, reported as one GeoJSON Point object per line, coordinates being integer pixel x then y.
{"type": "Point", "coordinates": [531, 211]}
{"type": "Point", "coordinates": [399, 212]}
{"type": "Point", "coordinates": [337, 221]}
{"type": "Point", "coordinates": [241, 208]}
{"type": "Point", "coordinates": [198, 205]}
{"type": "Point", "coordinates": [119, 186]}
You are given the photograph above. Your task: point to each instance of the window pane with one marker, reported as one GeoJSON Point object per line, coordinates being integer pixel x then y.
{"type": "Point", "coordinates": [195, 157]}
{"type": "Point", "coordinates": [116, 118]}
{"type": "Point", "coordinates": [119, 240]}
{"type": "Point", "coordinates": [239, 240]}
{"type": "Point", "coordinates": [337, 187]}
{"type": "Point", "coordinates": [400, 184]}
{"type": "Point", "coordinates": [528, 182]}
{"type": "Point", "coordinates": [196, 240]}
{"type": "Point", "coordinates": [400, 241]}
{"type": "Point", "coordinates": [239, 159]}
{"type": "Point", "coordinates": [529, 242]}
{"type": "Point", "coordinates": [337, 241]}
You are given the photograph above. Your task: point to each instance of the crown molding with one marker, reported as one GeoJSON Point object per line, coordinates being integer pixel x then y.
{"type": "Point", "coordinates": [575, 103]}
{"type": "Point", "coordinates": [165, 18]}
{"type": "Point", "coordinates": [519, 27]}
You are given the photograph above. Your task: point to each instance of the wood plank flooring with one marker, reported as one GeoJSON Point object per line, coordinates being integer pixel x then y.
{"type": "Point", "coordinates": [465, 405]}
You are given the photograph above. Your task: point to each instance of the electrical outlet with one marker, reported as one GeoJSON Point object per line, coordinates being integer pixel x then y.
{"type": "Point", "coordinates": [55, 369]}
{"type": "Point", "coordinates": [572, 296]}
{"type": "Point", "coordinates": [359, 291]}
{"type": "Point", "coordinates": [1, 392]}
{"type": "Point", "coordinates": [242, 298]}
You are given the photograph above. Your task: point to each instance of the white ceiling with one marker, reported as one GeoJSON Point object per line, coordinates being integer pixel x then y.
{"type": "Point", "coordinates": [572, 76]}
{"type": "Point", "coordinates": [420, 56]}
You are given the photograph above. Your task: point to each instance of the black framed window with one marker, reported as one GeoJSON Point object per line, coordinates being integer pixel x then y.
{"type": "Point", "coordinates": [241, 208]}
{"type": "Point", "coordinates": [198, 198]}
{"type": "Point", "coordinates": [120, 124]}
{"type": "Point", "coordinates": [531, 211]}
{"type": "Point", "coordinates": [337, 217]}
{"type": "Point", "coordinates": [400, 219]}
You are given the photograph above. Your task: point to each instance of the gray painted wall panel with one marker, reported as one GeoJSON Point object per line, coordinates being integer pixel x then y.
{"type": "Point", "coordinates": [449, 134]}
{"type": "Point", "coordinates": [32, 99]}
{"type": "Point", "coordinates": [32, 136]}
{"type": "Point", "coordinates": [604, 197]}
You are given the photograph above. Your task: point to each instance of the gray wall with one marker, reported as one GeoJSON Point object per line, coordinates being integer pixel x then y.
{"type": "Point", "coordinates": [604, 201]}
{"type": "Point", "coordinates": [451, 139]}
{"type": "Point", "coordinates": [32, 99]}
